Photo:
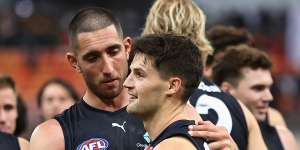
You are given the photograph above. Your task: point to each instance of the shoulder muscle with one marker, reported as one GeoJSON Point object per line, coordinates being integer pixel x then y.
{"type": "Point", "coordinates": [47, 136]}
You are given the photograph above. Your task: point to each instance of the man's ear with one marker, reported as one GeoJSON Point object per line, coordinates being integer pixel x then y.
{"type": "Point", "coordinates": [127, 44]}
{"type": "Point", "coordinates": [227, 87]}
{"type": "Point", "coordinates": [73, 61]}
{"type": "Point", "coordinates": [174, 85]}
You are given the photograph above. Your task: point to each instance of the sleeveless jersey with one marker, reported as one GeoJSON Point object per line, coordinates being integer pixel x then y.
{"type": "Point", "coordinates": [180, 128]}
{"type": "Point", "coordinates": [270, 135]}
{"type": "Point", "coordinates": [8, 142]}
{"type": "Point", "coordinates": [88, 128]}
{"type": "Point", "coordinates": [222, 109]}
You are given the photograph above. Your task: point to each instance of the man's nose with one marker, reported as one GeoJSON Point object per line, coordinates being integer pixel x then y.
{"type": "Point", "coordinates": [268, 95]}
{"type": "Point", "coordinates": [2, 116]}
{"type": "Point", "coordinates": [107, 65]}
{"type": "Point", "coordinates": [128, 82]}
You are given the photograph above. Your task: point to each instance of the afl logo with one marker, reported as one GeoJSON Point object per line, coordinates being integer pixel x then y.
{"type": "Point", "coordinates": [93, 144]}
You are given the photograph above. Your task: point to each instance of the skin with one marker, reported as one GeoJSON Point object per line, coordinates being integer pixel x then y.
{"type": "Point", "coordinates": [145, 88]}
{"type": "Point", "coordinates": [102, 61]}
{"type": "Point", "coordinates": [49, 135]}
{"type": "Point", "coordinates": [157, 101]}
{"type": "Point", "coordinates": [254, 91]}
{"type": "Point", "coordinates": [8, 110]}
{"type": "Point", "coordinates": [24, 144]}
{"type": "Point", "coordinates": [9, 114]}
{"type": "Point", "coordinates": [218, 138]}
{"type": "Point", "coordinates": [255, 138]}
{"type": "Point", "coordinates": [276, 118]}
{"type": "Point", "coordinates": [55, 99]}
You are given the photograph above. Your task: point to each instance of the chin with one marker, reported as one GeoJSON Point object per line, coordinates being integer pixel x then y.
{"type": "Point", "coordinates": [261, 117]}
{"type": "Point", "coordinates": [131, 109]}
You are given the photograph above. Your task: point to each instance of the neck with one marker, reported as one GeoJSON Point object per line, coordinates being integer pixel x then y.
{"type": "Point", "coordinates": [166, 115]}
{"type": "Point", "coordinates": [111, 105]}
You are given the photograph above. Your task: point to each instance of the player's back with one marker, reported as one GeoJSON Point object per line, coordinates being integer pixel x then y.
{"type": "Point", "coordinates": [221, 109]}
{"type": "Point", "coordinates": [85, 127]}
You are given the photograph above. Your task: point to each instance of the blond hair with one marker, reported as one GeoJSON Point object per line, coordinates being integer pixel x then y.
{"type": "Point", "coordinates": [182, 17]}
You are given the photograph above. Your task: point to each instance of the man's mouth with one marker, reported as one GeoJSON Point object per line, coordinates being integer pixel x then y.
{"type": "Point", "coordinates": [132, 96]}
{"type": "Point", "coordinates": [110, 83]}
{"type": "Point", "coordinates": [263, 109]}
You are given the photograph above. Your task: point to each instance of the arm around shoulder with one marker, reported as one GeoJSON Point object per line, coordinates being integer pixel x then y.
{"type": "Point", "coordinates": [47, 136]}
{"type": "Point", "coordinates": [255, 138]}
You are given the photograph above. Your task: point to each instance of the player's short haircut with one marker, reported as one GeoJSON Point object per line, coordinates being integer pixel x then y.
{"type": "Point", "coordinates": [229, 68]}
{"type": "Point", "coordinates": [172, 55]}
{"type": "Point", "coordinates": [89, 20]}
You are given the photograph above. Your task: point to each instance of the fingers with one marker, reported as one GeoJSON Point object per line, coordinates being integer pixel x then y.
{"type": "Point", "coordinates": [148, 148]}
{"type": "Point", "coordinates": [220, 145]}
{"type": "Point", "coordinates": [208, 131]}
{"type": "Point", "coordinates": [204, 126]}
{"type": "Point", "coordinates": [217, 137]}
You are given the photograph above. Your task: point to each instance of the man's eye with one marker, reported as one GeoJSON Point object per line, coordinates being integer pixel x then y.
{"type": "Point", "coordinates": [259, 88]}
{"type": "Point", "coordinates": [113, 51]}
{"type": "Point", "coordinates": [92, 58]}
{"type": "Point", "coordinates": [8, 107]}
{"type": "Point", "coordinates": [139, 74]}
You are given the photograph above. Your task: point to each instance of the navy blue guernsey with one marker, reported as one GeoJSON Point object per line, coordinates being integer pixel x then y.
{"type": "Point", "coordinates": [88, 128]}
{"type": "Point", "coordinates": [180, 128]}
{"type": "Point", "coordinates": [222, 109]}
{"type": "Point", "coordinates": [8, 142]}
{"type": "Point", "coordinates": [270, 135]}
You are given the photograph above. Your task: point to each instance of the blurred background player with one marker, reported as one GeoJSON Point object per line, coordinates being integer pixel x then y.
{"type": "Point", "coordinates": [221, 37]}
{"type": "Point", "coordinates": [55, 96]}
{"type": "Point", "coordinates": [11, 123]}
{"type": "Point", "coordinates": [245, 72]}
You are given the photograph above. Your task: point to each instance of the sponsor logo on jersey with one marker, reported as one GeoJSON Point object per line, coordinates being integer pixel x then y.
{"type": "Point", "coordinates": [93, 144]}
{"type": "Point", "coordinates": [140, 145]}
{"type": "Point", "coordinates": [119, 126]}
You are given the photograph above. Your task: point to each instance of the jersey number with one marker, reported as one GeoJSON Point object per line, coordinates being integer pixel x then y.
{"type": "Point", "coordinates": [205, 102]}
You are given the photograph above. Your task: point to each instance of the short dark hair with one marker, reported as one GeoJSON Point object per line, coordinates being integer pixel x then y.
{"type": "Point", "coordinates": [235, 59]}
{"type": "Point", "coordinates": [91, 19]}
{"type": "Point", "coordinates": [221, 36]}
{"type": "Point", "coordinates": [7, 81]}
{"type": "Point", "coordinates": [173, 55]}
{"type": "Point", "coordinates": [71, 91]}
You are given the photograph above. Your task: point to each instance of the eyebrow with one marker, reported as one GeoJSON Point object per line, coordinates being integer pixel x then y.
{"type": "Point", "coordinates": [92, 52]}
{"type": "Point", "coordinates": [113, 46]}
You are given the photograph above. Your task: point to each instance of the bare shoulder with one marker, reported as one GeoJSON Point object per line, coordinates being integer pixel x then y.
{"type": "Point", "coordinates": [24, 144]}
{"type": "Point", "coordinates": [255, 138]}
{"type": "Point", "coordinates": [176, 142]}
{"type": "Point", "coordinates": [287, 138]}
{"type": "Point", "coordinates": [47, 136]}
{"type": "Point", "coordinates": [276, 117]}
{"type": "Point", "coordinates": [250, 119]}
